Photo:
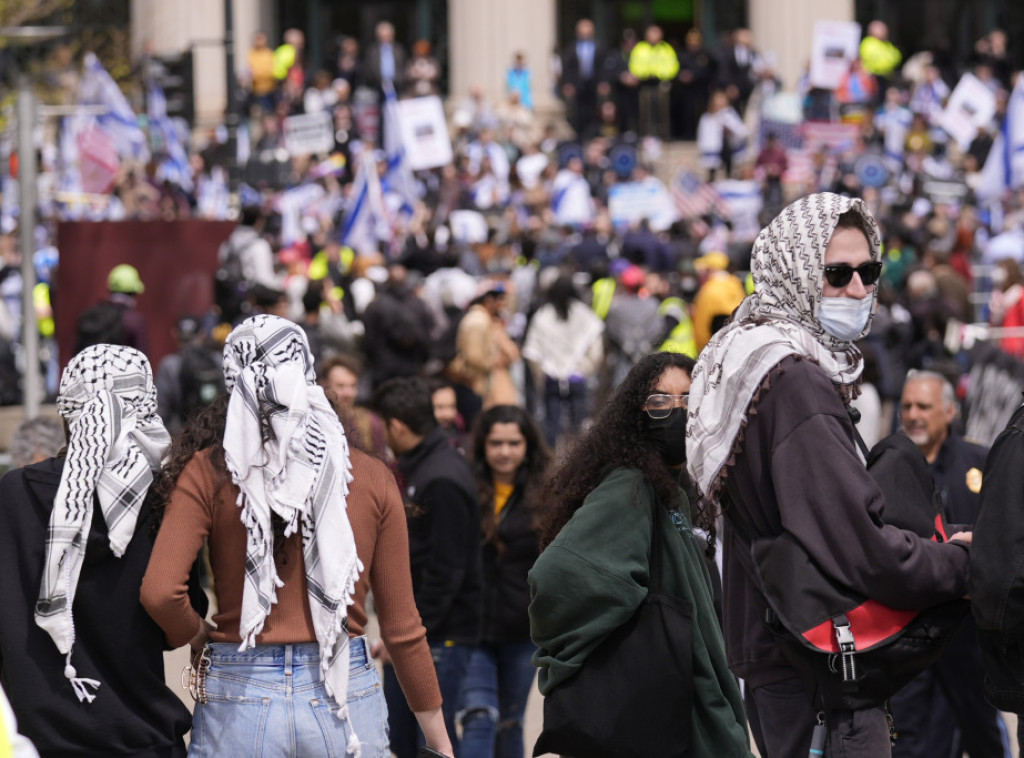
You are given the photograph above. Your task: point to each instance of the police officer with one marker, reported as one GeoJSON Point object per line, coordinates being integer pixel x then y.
{"type": "Point", "coordinates": [949, 695]}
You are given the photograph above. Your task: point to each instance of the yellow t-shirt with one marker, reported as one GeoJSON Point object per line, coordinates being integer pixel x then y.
{"type": "Point", "coordinates": [502, 492]}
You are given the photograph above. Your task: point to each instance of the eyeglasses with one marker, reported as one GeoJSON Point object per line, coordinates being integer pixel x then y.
{"type": "Point", "coordinates": [840, 274]}
{"type": "Point", "coordinates": [659, 406]}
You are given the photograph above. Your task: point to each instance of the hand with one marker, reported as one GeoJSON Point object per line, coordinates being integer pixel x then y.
{"type": "Point", "coordinates": [962, 537]}
{"type": "Point", "coordinates": [378, 650]}
{"type": "Point", "coordinates": [198, 643]}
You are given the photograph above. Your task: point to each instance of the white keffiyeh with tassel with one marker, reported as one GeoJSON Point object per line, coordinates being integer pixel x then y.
{"type": "Point", "coordinates": [285, 449]}
{"type": "Point", "coordinates": [115, 445]}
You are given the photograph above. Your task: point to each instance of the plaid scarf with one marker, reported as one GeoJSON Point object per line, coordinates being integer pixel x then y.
{"type": "Point", "coordinates": [115, 445]}
{"type": "Point", "coordinates": [300, 471]}
{"type": "Point", "coordinates": [778, 320]}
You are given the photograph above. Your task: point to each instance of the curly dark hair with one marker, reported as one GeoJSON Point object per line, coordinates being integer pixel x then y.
{"type": "Point", "coordinates": [619, 439]}
{"type": "Point", "coordinates": [529, 477]}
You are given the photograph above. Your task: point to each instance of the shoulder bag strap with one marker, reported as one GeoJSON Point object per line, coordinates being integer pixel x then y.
{"type": "Point", "coordinates": [657, 540]}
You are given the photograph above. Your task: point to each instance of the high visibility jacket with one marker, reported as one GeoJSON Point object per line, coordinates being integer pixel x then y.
{"type": "Point", "coordinates": [284, 59]}
{"type": "Point", "coordinates": [648, 61]}
{"type": "Point", "coordinates": [41, 299]}
{"type": "Point", "coordinates": [603, 291]}
{"type": "Point", "coordinates": [880, 57]}
{"type": "Point", "coordinates": [681, 339]}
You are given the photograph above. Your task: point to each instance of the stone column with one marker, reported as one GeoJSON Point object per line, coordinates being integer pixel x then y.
{"type": "Point", "coordinates": [786, 28]}
{"type": "Point", "coordinates": [484, 34]}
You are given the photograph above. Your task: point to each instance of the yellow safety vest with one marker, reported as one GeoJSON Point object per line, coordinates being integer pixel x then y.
{"type": "Point", "coordinates": [41, 299]}
{"type": "Point", "coordinates": [604, 291]}
{"type": "Point", "coordinates": [879, 57]}
{"type": "Point", "coordinates": [681, 339]}
{"type": "Point", "coordinates": [648, 61]}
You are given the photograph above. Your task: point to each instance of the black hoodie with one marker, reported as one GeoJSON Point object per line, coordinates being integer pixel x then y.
{"type": "Point", "coordinates": [134, 712]}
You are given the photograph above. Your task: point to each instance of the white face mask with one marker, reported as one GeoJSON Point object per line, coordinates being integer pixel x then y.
{"type": "Point", "coordinates": [844, 317]}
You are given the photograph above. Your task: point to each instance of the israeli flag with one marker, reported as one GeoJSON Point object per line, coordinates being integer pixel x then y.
{"type": "Point", "coordinates": [98, 88]}
{"type": "Point", "coordinates": [365, 221]}
{"type": "Point", "coordinates": [175, 166]}
{"type": "Point", "coordinates": [1004, 166]}
{"type": "Point", "coordinates": [398, 178]}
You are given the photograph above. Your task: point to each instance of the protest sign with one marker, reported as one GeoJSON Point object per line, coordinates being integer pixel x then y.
{"type": "Point", "coordinates": [835, 44]}
{"type": "Point", "coordinates": [971, 105]}
{"type": "Point", "coordinates": [309, 133]}
{"type": "Point", "coordinates": [424, 132]}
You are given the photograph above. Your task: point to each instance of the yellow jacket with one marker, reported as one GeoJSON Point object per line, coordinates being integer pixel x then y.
{"type": "Point", "coordinates": [648, 61]}
{"type": "Point", "coordinates": [879, 57]}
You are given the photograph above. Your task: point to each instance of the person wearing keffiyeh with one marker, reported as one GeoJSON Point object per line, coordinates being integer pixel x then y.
{"type": "Point", "coordinates": [76, 540]}
{"type": "Point", "coordinates": [769, 437]}
{"type": "Point", "coordinates": [293, 518]}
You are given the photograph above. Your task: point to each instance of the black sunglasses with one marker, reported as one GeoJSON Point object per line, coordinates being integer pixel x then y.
{"type": "Point", "coordinates": [840, 274]}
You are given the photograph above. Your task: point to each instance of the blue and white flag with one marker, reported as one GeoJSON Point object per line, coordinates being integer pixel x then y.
{"type": "Point", "coordinates": [174, 167]}
{"type": "Point", "coordinates": [1004, 167]}
{"type": "Point", "coordinates": [365, 221]}
{"type": "Point", "coordinates": [399, 178]}
{"type": "Point", "coordinates": [98, 88]}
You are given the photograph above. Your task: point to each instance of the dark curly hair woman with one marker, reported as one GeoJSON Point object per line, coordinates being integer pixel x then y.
{"type": "Point", "coordinates": [510, 460]}
{"type": "Point", "coordinates": [595, 569]}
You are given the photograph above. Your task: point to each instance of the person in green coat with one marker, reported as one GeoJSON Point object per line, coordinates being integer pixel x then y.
{"type": "Point", "coordinates": [594, 572]}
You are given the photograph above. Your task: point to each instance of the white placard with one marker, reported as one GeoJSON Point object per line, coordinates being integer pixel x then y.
{"type": "Point", "coordinates": [971, 105]}
{"type": "Point", "coordinates": [309, 133]}
{"type": "Point", "coordinates": [424, 132]}
{"type": "Point", "coordinates": [835, 44]}
{"type": "Point", "coordinates": [629, 202]}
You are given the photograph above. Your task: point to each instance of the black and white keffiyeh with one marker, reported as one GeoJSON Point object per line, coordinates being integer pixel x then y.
{"type": "Point", "coordinates": [299, 471]}
{"type": "Point", "coordinates": [116, 442]}
{"type": "Point", "coordinates": [778, 320]}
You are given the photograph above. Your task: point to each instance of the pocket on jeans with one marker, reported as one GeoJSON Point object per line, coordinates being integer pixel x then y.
{"type": "Point", "coordinates": [229, 725]}
{"type": "Point", "coordinates": [366, 716]}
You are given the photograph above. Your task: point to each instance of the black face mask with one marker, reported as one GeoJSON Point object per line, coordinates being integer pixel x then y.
{"type": "Point", "coordinates": [669, 436]}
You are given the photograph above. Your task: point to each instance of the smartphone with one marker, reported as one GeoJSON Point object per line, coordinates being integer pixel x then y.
{"type": "Point", "coordinates": [429, 752]}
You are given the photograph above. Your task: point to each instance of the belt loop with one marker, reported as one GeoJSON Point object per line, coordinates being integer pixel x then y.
{"type": "Point", "coordinates": [288, 651]}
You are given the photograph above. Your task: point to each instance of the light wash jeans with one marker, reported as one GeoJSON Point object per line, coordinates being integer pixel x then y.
{"type": "Point", "coordinates": [269, 701]}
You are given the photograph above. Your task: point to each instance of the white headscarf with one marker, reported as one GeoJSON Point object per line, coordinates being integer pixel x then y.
{"type": "Point", "coordinates": [115, 445]}
{"type": "Point", "coordinates": [301, 473]}
{"type": "Point", "coordinates": [778, 320]}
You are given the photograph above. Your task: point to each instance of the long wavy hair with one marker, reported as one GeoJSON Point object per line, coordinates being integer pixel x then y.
{"type": "Point", "coordinates": [619, 438]}
{"type": "Point", "coordinates": [529, 478]}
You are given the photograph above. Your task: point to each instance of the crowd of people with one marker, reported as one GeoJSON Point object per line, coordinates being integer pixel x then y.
{"type": "Point", "coordinates": [482, 409]}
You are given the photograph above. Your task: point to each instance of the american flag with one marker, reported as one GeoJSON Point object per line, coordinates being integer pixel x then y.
{"type": "Point", "coordinates": [692, 197]}
{"type": "Point", "coordinates": [836, 135]}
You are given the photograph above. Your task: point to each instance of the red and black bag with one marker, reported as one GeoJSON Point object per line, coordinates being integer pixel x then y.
{"type": "Point", "coordinates": [852, 651]}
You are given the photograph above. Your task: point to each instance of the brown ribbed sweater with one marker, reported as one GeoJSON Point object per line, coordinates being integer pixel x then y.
{"type": "Point", "coordinates": [200, 509]}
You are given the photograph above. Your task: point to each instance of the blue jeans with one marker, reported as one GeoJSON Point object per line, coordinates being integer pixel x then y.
{"type": "Point", "coordinates": [570, 395]}
{"type": "Point", "coordinates": [269, 701]}
{"type": "Point", "coordinates": [450, 663]}
{"type": "Point", "coordinates": [493, 700]}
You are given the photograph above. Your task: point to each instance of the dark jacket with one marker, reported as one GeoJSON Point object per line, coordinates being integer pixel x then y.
{"type": "Point", "coordinates": [957, 473]}
{"type": "Point", "coordinates": [997, 582]}
{"type": "Point", "coordinates": [444, 539]}
{"type": "Point", "coordinates": [397, 334]}
{"type": "Point", "coordinates": [797, 470]}
{"type": "Point", "coordinates": [117, 643]}
{"type": "Point", "coordinates": [506, 591]}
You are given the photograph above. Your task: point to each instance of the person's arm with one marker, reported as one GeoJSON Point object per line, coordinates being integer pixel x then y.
{"type": "Point", "coordinates": [454, 532]}
{"type": "Point", "coordinates": [592, 578]}
{"type": "Point", "coordinates": [186, 523]}
{"type": "Point", "coordinates": [833, 506]}
{"type": "Point", "coordinates": [434, 732]}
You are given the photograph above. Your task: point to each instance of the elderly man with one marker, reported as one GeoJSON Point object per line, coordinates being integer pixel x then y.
{"type": "Point", "coordinates": [770, 433]}
{"type": "Point", "coordinates": [949, 694]}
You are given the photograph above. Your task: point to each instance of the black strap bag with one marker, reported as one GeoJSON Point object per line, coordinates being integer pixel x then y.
{"type": "Point", "coordinates": [633, 696]}
{"type": "Point", "coordinates": [851, 651]}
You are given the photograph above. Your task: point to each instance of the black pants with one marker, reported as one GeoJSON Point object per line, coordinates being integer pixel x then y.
{"type": "Point", "coordinates": [782, 721]}
{"type": "Point", "coordinates": [949, 694]}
